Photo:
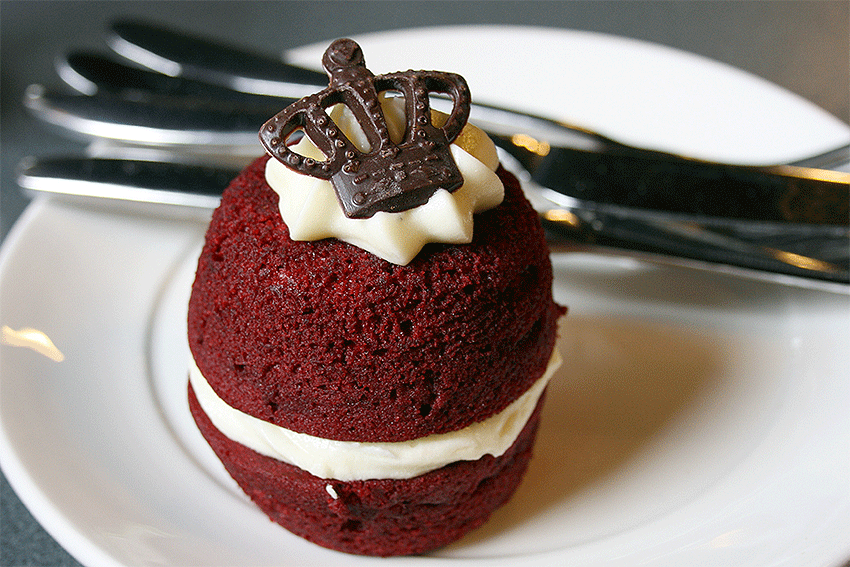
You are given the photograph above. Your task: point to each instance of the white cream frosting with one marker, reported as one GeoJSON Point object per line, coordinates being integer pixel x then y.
{"type": "Point", "coordinates": [310, 209]}
{"type": "Point", "coordinates": [349, 460]}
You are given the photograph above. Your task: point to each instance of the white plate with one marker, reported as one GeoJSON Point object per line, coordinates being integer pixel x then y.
{"type": "Point", "coordinates": [701, 419]}
{"type": "Point", "coordinates": [635, 92]}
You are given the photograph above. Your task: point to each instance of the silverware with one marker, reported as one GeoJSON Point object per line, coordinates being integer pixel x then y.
{"type": "Point", "coordinates": [608, 173]}
{"type": "Point", "coordinates": [779, 220]}
{"type": "Point", "coordinates": [815, 252]}
{"type": "Point", "coordinates": [206, 105]}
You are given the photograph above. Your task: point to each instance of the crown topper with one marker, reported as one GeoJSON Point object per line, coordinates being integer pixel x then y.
{"type": "Point", "coordinates": [389, 177]}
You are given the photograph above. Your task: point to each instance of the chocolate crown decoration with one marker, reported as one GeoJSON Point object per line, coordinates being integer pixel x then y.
{"type": "Point", "coordinates": [389, 177]}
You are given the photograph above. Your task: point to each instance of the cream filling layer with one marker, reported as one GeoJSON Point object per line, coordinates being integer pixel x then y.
{"type": "Point", "coordinates": [351, 460]}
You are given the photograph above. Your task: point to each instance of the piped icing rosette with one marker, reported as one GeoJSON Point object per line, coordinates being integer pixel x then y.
{"type": "Point", "coordinates": [310, 208]}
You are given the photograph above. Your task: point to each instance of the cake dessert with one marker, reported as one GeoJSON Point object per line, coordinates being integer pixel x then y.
{"type": "Point", "coordinates": [372, 323]}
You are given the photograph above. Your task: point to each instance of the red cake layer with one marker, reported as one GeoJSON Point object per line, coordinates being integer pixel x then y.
{"type": "Point", "coordinates": [326, 339]}
{"type": "Point", "coordinates": [375, 517]}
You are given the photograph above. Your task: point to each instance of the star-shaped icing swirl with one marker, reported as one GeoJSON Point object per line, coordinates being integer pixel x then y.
{"type": "Point", "coordinates": [310, 208]}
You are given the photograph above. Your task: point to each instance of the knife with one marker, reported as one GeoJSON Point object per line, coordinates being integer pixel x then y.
{"type": "Point", "coordinates": [814, 252]}
{"type": "Point", "coordinates": [605, 174]}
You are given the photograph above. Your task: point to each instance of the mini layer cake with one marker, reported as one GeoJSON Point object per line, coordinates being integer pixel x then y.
{"type": "Point", "coordinates": [373, 328]}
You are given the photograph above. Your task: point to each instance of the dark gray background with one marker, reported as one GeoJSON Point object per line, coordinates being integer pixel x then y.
{"type": "Point", "coordinates": [803, 46]}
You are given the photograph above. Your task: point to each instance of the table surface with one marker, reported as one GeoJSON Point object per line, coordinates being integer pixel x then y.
{"type": "Point", "coordinates": [799, 45]}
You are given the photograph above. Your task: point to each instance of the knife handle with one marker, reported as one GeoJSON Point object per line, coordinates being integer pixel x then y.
{"type": "Point", "coordinates": [658, 181]}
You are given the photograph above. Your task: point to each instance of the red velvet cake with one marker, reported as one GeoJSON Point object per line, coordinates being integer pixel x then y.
{"type": "Point", "coordinates": [364, 360]}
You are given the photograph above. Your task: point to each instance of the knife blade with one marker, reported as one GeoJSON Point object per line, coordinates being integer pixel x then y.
{"type": "Point", "coordinates": [821, 251]}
